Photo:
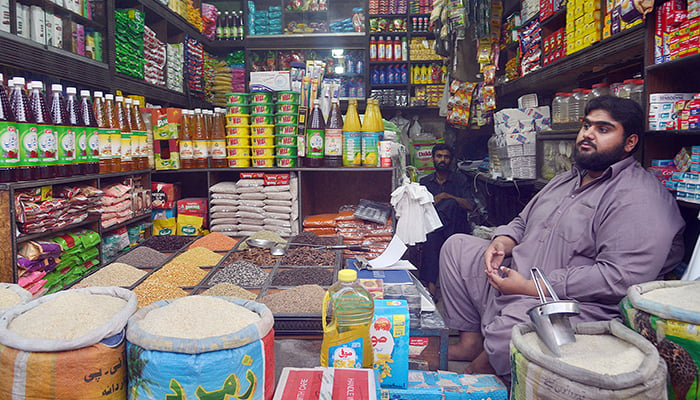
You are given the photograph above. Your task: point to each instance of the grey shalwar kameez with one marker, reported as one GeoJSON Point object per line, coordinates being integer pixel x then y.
{"type": "Point", "coordinates": [591, 242]}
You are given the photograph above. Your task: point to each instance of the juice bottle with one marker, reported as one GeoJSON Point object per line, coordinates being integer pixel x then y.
{"type": "Point", "coordinates": [140, 132]}
{"type": "Point", "coordinates": [46, 137]}
{"type": "Point", "coordinates": [115, 133]}
{"type": "Point", "coordinates": [79, 131]}
{"type": "Point", "coordinates": [352, 137]}
{"type": "Point", "coordinates": [333, 142]}
{"type": "Point", "coordinates": [104, 133]}
{"type": "Point", "coordinates": [127, 163]}
{"type": "Point", "coordinates": [26, 131]}
{"type": "Point", "coordinates": [372, 131]}
{"type": "Point", "coordinates": [315, 133]}
{"type": "Point", "coordinates": [65, 134]}
{"type": "Point", "coordinates": [92, 138]}
{"type": "Point", "coordinates": [185, 142]}
{"type": "Point", "coordinates": [218, 140]}
{"type": "Point", "coordinates": [346, 340]}
{"type": "Point", "coordinates": [9, 151]}
{"type": "Point", "coordinates": [207, 114]}
{"type": "Point", "coordinates": [200, 141]}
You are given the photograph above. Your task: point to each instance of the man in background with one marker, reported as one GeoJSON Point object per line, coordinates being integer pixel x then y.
{"type": "Point", "coordinates": [452, 199]}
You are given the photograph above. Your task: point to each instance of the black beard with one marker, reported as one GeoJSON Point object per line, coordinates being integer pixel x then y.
{"type": "Point", "coordinates": [442, 167]}
{"type": "Point", "coordinates": [598, 160]}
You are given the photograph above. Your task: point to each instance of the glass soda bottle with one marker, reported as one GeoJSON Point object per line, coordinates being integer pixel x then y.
{"type": "Point", "coordinates": [65, 134]}
{"type": "Point", "coordinates": [315, 133]}
{"type": "Point", "coordinates": [185, 142]}
{"type": "Point", "coordinates": [218, 140]}
{"type": "Point", "coordinates": [115, 133]}
{"type": "Point", "coordinates": [333, 141]}
{"type": "Point", "coordinates": [127, 163]}
{"type": "Point", "coordinates": [79, 131]}
{"type": "Point", "coordinates": [372, 133]}
{"type": "Point", "coordinates": [139, 132]}
{"type": "Point", "coordinates": [46, 138]}
{"type": "Point", "coordinates": [352, 137]}
{"type": "Point", "coordinates": [26, 131]}
{"type": "Point", "coordinates": [346, 340]}
{"type": "Point", "coordinates": [92, 138]}
{"type": "Point", "coordinates": [200, 140]}
{"type": "Point", "coordinates": [9, 151]}
{"type": "Point", "coordinates": [104, 133]}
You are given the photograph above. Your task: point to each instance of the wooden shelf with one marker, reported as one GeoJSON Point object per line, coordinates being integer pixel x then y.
{"type": "Point", "coordinates": [680, 63]}
{"type": "Point", "coordinates": [31, 236]}
{"type": "Point", "coordinates": [350, 40]}
{"type": "Point", "coordinates": [686, 132]}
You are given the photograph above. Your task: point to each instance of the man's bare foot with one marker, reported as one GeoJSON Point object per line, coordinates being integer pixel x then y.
{"type": "Point", "coordinates": [480, 365]}
{"type": "Point", "coordinates": [470, 345]}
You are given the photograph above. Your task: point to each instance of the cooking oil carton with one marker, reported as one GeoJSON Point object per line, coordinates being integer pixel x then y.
{"type": "Point", "coordinates": [389, 333]}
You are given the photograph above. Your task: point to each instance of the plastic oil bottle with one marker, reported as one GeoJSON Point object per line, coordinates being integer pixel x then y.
{"type": "Point", "coordinates": [127, 163]}
{"type": "Point", "coordinates": [87, 115]}
{"type": "Point", "coordinates": [315, 134]}
{"type": "Point", "coordinates": [115, 134]}
{"type": "Point", "coordinates": [139, 132]}
{"type": "Point", "coordinates": [27, 132]}
{"type": "Point", "coordinates": [65, 135]}
{"type": "Point", "coordinates": [9, 152]}
{"type": "Point", "coordinates": [185, 142]}
{"type": "Point", "coordinates": [333, 153]}
{"type": "Point", "coordinates": [46, 137]}
{"type": "Point", "coordinates": [104, 133]}
{"type": "Point", "coordinates": [352, 136]}
{"type": "Point", "coordinates": [372, 132]}
{"type": "Point", "coordinates": [79, 131]}
{"type": "Point", "coordinates": [217, 147]}
{"type": "Point", "coordinates": [346, 340]}
{"type": "Point", "coordinates": [200, 140]}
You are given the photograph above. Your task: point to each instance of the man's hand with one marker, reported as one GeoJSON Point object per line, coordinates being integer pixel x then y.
{"type": "Point", "coordinates": [441, 196]}
{"type": "Point", "coordinates": [510, 281]}
{"type": "Point", "coordinates": [500, 248]}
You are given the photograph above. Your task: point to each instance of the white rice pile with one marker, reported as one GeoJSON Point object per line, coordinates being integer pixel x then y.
{"type": "Point", "coordinates": [114, 274]}
{"type": "Point", "coordinates": [8, 298]}
{"type": "Point", "coordinates": [68, 316]}
{"type": "Point", "coordinates": [198, 317]}
{"type": "Point", "coordinates": [602, 354]}
{"type": "Point", "coordinates": [685, 297]}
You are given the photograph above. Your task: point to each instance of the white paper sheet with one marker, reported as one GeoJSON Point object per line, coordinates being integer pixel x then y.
{"type": "Point", "coordinates": [391, 257]}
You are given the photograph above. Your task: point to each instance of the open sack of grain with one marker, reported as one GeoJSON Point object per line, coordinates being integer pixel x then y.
{"type": "Point", "coordinates": [667, 313]}
{"type": "Point", "coordinates": [607, 361]}
{"type": "Point", "coordinates": [199, 345]}
{"type": "Point", "coordinates": [67, 345]}
{"type": "Point", "coordinates": [12, 295]}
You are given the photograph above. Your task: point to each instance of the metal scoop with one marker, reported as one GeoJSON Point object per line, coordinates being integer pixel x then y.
{"type": "Point", "coordinates": [551, 319]}
{"type": "Point", "coordinates": [261, 243]}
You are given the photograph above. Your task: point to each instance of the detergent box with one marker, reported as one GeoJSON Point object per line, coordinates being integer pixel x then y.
{"type": "Point", "coordinates": [389, 334]}
{"type": "Point", "coordinates": [327, 383]}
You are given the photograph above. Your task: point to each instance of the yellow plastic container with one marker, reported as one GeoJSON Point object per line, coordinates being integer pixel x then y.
{"type": "Point", "coordinates": [238, 162]}
{"type": "Point", "coordinates": [237, 130]}
{"type": "Point", "coordinates": [238, 151]}
{"type": "Point", "coordinates": [263, 151]}
{"type": "Point", "coordinates": [263, 162]}
{"type": "Point", "coordinates": [259, 141]}
{"type": "Point", "coordinates": [242, 140]}
{"type": "Point", "coordinates": [262, 130]}
{"type": "Point", "coordinates": [237, 119]}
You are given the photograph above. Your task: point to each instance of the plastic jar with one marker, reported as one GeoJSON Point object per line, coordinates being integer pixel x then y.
{"type": "Point", "coordinates": [587, 96]}
{"type": "Point", "coordinates": [637, 93]}
{"type": "Point", "coordinates": [600, 89]}
{"type": "Point", "coordinates": [576, 103]}
{"type": "Point", "coordinates": [626, 89]}
{"type": "Point", "coordinates": [565, 108]}
{"type": "Point", "coordinates": [557, 108]}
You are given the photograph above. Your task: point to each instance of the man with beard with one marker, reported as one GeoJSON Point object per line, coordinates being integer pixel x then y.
{"type": "Point", "coordinates": [451, 196]}
{"type": "Point", "coordinates": [593, 231]}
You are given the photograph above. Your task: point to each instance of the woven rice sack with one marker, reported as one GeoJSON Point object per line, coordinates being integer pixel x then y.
{"type": "Point", "coordinates": [537, 374]}
{"type": "Point", "coordinates": [674, 330]}
{"type": "Point", "coordinates": [23, 295]}
{"type": "Point", "coordinates": [92, 366]}
{"type": "Point", "coordinates": [236, 365]}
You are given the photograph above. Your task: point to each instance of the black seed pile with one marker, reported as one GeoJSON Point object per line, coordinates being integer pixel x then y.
{"type": "Point", "coordinates": [143, 257]}
{"type": "Point", "coordinates": [257, 256]}
{"type": "Point", "coordinates": [241, 273]}
{"type": "Point", "coordinates": [303, 256]}
{"type": "Point", "coordinates": [303, 276]}
{"type": "Point", "coordinates": [167, 243]}
{"type": "Point", "coordinates": [312, 238]}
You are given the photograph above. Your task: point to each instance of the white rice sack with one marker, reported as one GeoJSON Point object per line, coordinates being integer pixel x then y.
{"type": "Point", "coordinates": [277, 222]}
{"type": "Point", "coordinates": [279, 195]}
{"type": "Point", "coordinates": [228, 196]}
{"type": "Point", "coordinates": [293, 186]}
{"type": "Point", "coordinates": [67, 320]}
{"type": "Point", "coordinates": [223, 215]}
{"type": "Point", "coordinates": [282, 231]}
{"type": "Point", "coordinates": [276, 188]}
{"type": "Point", "coordinates": [251, 203]}
{"type": "Point", "coordinates": [253, 196]}
{"type": "Point", "coordinates": [243, 214]}
{"type": "Point", "coordinates": [246, 233]}
{"type": "Point", "coordinates": [224, 202]}
{"type": "Point", "coordinates": [681, 296]}
{"type": "Point", "coordinates": [278, 209]}
{"type": "Point", "coordinates": [224, 187]}
{"type": "Point", "coordinates": [250, 182]}
{"type": "Point", "coordinates": [295, 209]}
{"type": "Point", "coordinates": [251, 228]}
{"type": "Point", "coordinates": [247, 189]}
{"type": "Point", "coordinates": [295, 226]}
{"type": "Point", "coordinates": [197, 317]}
{"type": "Point", "coordinates": [225, 228]}
{"type": "Point", "coordinates": [257, 210]}
{"type": "Point", "coordinates": [224, 221]}
{"type": "Point", "coordinates": [215, 209]}
{"type": "Point", "coordinates": [276, 215]}
{"type": "Point", "coordinates": [250, 221]}
{"type": "Point", "coordinates": [281, 203]}
{"type": "Point", "coordinates": [12, 295]}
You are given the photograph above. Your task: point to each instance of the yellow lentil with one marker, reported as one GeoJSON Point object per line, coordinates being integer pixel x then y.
{"type": "Point", "coordinates": [152, 290]}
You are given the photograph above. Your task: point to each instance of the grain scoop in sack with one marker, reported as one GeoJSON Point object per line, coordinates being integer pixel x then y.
{"type": "Point", "coordinates": [551, 319]}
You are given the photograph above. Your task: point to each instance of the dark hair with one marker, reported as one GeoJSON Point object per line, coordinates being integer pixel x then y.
{"type": "Point", "coordinates": [444, 146]}
{"type": "Point", "coordinates": [625, 111]}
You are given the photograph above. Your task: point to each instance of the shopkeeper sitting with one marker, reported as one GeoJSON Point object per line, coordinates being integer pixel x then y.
{"type": "Point", "coordinates": [452, 200]}
{"type": "Point", "coordinates": [593, 231]}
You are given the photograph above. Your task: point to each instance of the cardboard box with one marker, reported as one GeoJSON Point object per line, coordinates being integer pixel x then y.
{"type": "Point", "coordinates": [269, 81]}
{"type": "Point", "coordinates": [389, 333]}
{"type": "Point", "coordinates": [166, 154]}
{"type": "Point", "coordinates": [165, 195]}
{"type": "Point", "coordinates": [441, 385]}
{"type": "Point", "coordinates": [327, 384]}
{"type": "Point", "coordinates": [166, 123]}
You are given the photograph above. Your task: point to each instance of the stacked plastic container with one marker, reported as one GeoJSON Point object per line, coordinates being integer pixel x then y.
{"type": "Point", "coordinates": [262, 138]}
{"type": "Point", "coordinates": [285, 131]}
{"type": "Point", "coordinates": [238, 130]}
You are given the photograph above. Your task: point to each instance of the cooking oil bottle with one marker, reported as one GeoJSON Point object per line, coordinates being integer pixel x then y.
{"type": "Point", "coordinates": [346, 340]}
